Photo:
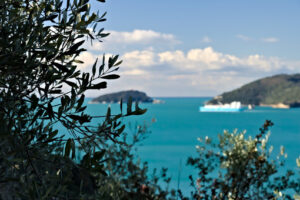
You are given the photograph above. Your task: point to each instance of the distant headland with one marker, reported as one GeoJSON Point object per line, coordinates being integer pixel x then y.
{"type": "Point", "coordinates": [279, 91]}
{"type": "Point", "coordinates": [137, 96]}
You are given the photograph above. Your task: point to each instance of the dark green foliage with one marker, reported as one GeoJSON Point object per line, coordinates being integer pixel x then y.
{"type": "Point", "coordinates": [272, 90]}
{"type": "Point", "coordinates": [127, 177]}
{"type": "Point", "coordinates": [40, 85]}
{"type": "Point", "coordinates": [136, 96]}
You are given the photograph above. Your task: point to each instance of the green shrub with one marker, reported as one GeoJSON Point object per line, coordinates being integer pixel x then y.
{"type": "Point", "coordinates": [241, 168]}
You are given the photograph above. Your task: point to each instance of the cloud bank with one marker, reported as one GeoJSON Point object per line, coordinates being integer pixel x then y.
{"type": "Point", "coordinates": [174, 72]}
{"type": "Point", "coordinates": [270, 39]}
{"type": "Point", "coordinates": [265, 40]}
{"type": "Point", "coordinates": [120, 41]}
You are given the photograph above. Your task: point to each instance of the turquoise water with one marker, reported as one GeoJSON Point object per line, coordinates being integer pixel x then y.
{"type": "Point", "coordinates": [179, 123]}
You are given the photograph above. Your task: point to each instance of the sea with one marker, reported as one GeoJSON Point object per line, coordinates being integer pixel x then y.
{"type": "Point", "coordinates": [175, 125]}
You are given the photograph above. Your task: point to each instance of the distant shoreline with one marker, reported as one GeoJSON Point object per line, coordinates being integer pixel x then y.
{"type": "Point", "coordinates": [279, 105]}
{"type": "Point", "coordinates": [190, 97]}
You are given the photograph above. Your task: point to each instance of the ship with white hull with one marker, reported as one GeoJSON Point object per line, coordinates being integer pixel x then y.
{"type": "Point", "coordinates": [234, 106]}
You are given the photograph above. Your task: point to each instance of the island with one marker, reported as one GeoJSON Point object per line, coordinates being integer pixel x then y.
{"type": "Point", "coordinates": [124, 95]}
{"type": "Point", "coordinates": [279, 91]}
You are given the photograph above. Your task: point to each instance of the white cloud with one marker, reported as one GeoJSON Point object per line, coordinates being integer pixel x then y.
{"type": "Point", "coordinates": [88, 59]}
{"type": "Point", "coordinates": [266, 40]}
{"type": "Point", "coordinates": [137, 38]}
{"type": "Point", "coordinates": [141, 36]}
{"type": "Point", "coordinates": [207, 55]}
{"type": "Point", "coordinates": [270, 39]}
{"type": "Point", "coordinates": [134, 72]}
{"type": "Point", "coordinates": [206, 39]}
{"type": "Point", "coordinates": [243, 37]}
{"type": "Point", "coordinates": [139, 58]}
{"type": "Point", "coordinates": [169, 56]}
{"type": "Point", "coordinates": [263, 64]}
{"type": "Point", "coordinates": [203, 61]}
{"type": "Point", "coordinates": [168, 72]}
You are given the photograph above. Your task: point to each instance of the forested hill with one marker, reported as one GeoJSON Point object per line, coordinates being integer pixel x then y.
{"type": "Point", "coordinates": [124, 95]}
{"type": "Point", "coordinates": [279, 89]}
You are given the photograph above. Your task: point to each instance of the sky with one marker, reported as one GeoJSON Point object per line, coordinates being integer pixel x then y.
{"type": "Point", "coordinates": [173, 48]}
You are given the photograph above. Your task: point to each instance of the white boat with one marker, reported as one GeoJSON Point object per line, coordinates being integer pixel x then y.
{"type": "Point", "coordinates": [234, 106]}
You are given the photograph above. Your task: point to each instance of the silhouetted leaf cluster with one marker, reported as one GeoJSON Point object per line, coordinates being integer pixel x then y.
{"type": "Point", "coordinates": [41, 87]}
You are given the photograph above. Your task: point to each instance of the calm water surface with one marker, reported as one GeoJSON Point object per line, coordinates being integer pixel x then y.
{"type": "Point", "coordinates": [178, 124]}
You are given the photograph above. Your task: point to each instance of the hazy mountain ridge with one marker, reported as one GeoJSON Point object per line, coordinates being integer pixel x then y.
{"type": "Point", "coordinates": [278, 89]}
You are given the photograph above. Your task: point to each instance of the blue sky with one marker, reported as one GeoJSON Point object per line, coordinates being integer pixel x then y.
{"type": "Point", "coordinates": [197, 47]}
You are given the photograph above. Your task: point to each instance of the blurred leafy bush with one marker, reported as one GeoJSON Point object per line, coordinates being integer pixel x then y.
{"type": "Point", "coordinates": [237, 167]}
